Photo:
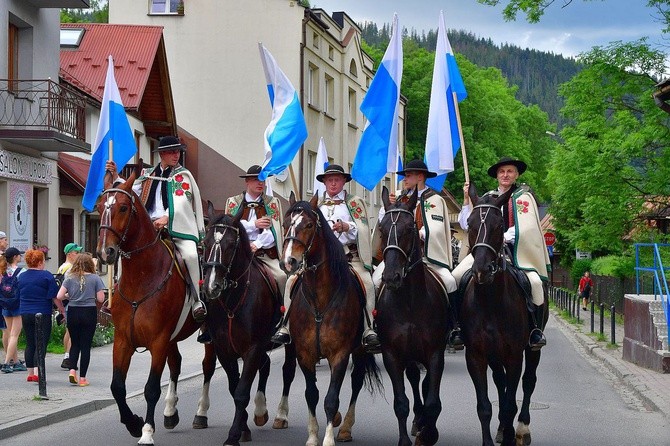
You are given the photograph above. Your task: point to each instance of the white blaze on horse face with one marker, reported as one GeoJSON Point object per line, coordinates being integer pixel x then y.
{"type": "Point", "coordinates": [106, 220]}
{"type": "Point", "coordinates": [214, 257]}
{"type": "Point", "coordinates": [295, 222]}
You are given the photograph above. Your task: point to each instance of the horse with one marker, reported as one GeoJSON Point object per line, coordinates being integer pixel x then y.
{"type": "Point", "coordinates": [326, 316]}
{"type": "Point", "coordinates": [495, 325]}
{"type": "Point", "coordinates": [412, 320]}
{"type": "Point", "coordinates": [148, 306]}
{"type": "Point", "coordinates": [243, 310]}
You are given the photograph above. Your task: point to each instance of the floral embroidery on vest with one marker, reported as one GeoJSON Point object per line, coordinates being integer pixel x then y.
{"type": "Point", "coordinates": [181, 187]}
{"type": "Point", "coordinates": [522, 206]}
{"type": "Point", "coordinates": [356, 211]}
{"type": "Point", "coordinates": [428, 206]}
{"type": "Point", "coordinates": [273, 212]}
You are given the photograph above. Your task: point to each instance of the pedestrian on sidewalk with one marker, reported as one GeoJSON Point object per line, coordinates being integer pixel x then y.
{"type": "Point", "coordinates": [12, 316]}
{"type": "Point", "coordinates": [82, 286]}
{"type": "Point", "coordinates": [585, 287]}
{"type": "Point", "coordinates": [71, 251]}
{"type": "Point", "coordinates": [37, 291]}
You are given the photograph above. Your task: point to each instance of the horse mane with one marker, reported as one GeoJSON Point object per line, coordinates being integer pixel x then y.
{"type": "Point", "coordinates": [337, 260]}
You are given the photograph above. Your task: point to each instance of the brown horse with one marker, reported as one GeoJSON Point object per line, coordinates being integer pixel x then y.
{"type": "Point", "coordinates": [412, 319]}
{"type": "Point", "coordinates": [148, 306]}
{"type": "Point", "coordinates": [495, 323]}
{"type": "Point", "coordinates": [326, 316]}
{"type": "Point", "coordinates": [243, 311]}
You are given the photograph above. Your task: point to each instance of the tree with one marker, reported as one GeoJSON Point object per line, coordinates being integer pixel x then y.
{"type": "Point", "coordinates": [616, 154]}
{"type": "Point", "coordinates": [98, 13]}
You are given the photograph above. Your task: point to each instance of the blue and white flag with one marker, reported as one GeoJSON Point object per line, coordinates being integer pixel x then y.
{"type": "Point", "coordinates": [377, 149]}
{"type": "Point", "coordinates": [320, 167]}
{"type": "Point", "coordinates": [442, 137]}
{"type": "Point", "coordinates": [287, 130]}
{"type": "Point", "coordinates": [114, 127]}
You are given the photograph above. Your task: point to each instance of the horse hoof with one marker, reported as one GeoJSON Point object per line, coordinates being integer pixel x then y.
{"type": "Point", "coordinates": [337, 420]}
{"type": "Point", "coordinates": [135, 426]}
{"type": "Point", "coordinates": [523, 440]}
{"type": "Point", "coordinates": [245, 437]}
{"type": "Point", "coordinates": [280, 424]}
{"type": "Point", "coordinates": [428, 436]}
{"type": "Point", "coordinates": [344, 436]}
{"type": "Point", "coordinates": [171, 421]}
{"type": "Point", "coordinates": [260, 420]}
{"type": "Point", "coordinates": [200, 422]}
{"type": "Point", "coordinates": [415, 429]}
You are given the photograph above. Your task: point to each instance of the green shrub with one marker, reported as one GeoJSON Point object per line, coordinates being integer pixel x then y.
{"type": "Point", "coordinates": [578, 268]}
{"type": "Point", "coordinates": [615, 266]}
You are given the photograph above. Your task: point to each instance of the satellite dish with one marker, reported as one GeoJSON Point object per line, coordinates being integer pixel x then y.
{"type": "Point", "coordinates": [282, 176]}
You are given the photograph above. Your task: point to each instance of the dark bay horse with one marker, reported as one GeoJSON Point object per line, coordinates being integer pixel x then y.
{"type": "Point", "coordinates": [243, 311]}
{"type": "Point", "coordinates": [149, 308]}
{"type": "Point", "coordinates": [412, 320]}
{"type": "Point", "coordinates": [326, 316]}
{"type": "Point", "coordinates": [495, 325]}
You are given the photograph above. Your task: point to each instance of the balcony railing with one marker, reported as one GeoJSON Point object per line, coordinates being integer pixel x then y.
{"type": "Point", "coordinates": [42, 105]}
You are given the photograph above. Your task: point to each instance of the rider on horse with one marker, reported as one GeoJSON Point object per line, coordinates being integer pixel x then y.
{"type": "Point", "coordinates": [347, 217]}
{"type": "Point", "coordinates": [431, 212]}
{"type": "Point", "coordinates": [262, 218]}
{"type": "Point", "coordinates": [172, 199]}
{"type": "Point", "coordinates": [523, 235]}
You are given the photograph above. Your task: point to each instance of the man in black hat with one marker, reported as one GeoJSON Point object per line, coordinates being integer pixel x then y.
{"type": "Point", "coordinates": [347, 217]}
{"type": "Point", "coordinates": [523, 234]}
{"type": "Point", "coordinates": [172, 198]}
{"type": "Point", "coordinates": [431, 211]}
{"type": "Point", "coordinates": [262, 218]}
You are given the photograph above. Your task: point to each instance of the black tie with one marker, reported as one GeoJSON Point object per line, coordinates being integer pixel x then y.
{"type": "Point", "coordinates": [152, 192]}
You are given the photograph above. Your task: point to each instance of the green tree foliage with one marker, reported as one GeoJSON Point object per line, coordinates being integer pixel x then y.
{"type": "Point", "coordinates": [98, 13]}
{"type": "Point", "coordinates": [616, 152]}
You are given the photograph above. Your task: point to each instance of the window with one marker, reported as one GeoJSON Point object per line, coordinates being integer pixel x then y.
{"type": "Point", "coordinates": [71, 37]}
{"type": "Point", "coordinates": [331, 53]}
{"type": "Point", "coordinates": [13, 57]}
{"type": "Point", "coordinates": [329, 100]}
{"type": "Point", "coordinates": [163, 6]}
{"type": "Point", "coordinates": [352, 68]}
{"type": "Point", "coordinates": [313, 85]}
{"type": "Point", "coordinates": [352, 106]}
{"type": "Point", "coordinates": [315, 40]}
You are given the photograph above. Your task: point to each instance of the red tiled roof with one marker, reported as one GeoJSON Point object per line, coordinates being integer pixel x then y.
{"type": "Point", "coordinates": [133, 47]}
{"type": "Point", "coordinates": [74, 168]}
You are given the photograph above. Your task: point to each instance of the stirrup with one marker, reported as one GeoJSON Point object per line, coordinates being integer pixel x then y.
{"type": "Point", "coordinates": [539, 343]}
{"type": "Point", "coordinates": [455, 340]}
{"type": "Point", "coordinates": [371, 342]}
{"type": "Point", "coordinates": [282, 336]}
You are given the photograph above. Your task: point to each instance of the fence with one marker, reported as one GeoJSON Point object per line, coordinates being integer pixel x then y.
{"type": "Point", "coordinates": [571, 303]}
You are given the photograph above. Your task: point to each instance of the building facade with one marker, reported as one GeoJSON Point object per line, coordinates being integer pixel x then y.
{"type": "Point", "coordinates": [220, 92]}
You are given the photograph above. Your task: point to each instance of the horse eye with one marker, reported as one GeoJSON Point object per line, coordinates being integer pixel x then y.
{"type": "Point", "coordinates": [124, 208]}
{"type": "Point", "coordinates": [309, 225]}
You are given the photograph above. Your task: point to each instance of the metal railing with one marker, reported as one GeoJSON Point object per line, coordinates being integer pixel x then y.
{"type": "Point", "coordinates": [42, 105]}
{"type": "Point", "coordinates": [660, 288]}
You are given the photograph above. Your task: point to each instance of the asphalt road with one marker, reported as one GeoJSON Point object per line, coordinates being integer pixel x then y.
{"type": "Point", "coordinates": [576, 402]}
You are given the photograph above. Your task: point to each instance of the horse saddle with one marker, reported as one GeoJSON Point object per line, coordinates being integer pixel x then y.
{"type": "Point", "coordinates": [177, 259]}
{"type": "Point", "coordinates": [269, 280]}
{"type": "Point", "coordinates": [519, 277]}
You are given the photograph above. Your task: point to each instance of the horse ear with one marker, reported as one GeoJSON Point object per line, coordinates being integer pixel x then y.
{"type": "Point", "coordinates": [210, 210]}
{"type": "Point", "coordinates": [411, 204]}
{"type": "Point", "coordinates": [385, 198]}
{"type": "Point", "coordinates": [291, 199]}
{"type": "Point", "coordinates": [128, 185]}
{"type": "Point", "coordinates": [472, 193]}
{"type": "Point", "coordinates": [314, 202]}
{"type": "Point", "coordinates": [502, 199]}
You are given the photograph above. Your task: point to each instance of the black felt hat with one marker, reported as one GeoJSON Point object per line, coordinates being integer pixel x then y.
{"type": "Point", "coordinates": [507, 161]}
{"type": "Point", "coordinates": [252, 172]}
{"type": "Point", "coordinates": [334, 169]}
{"type": "Point", "coordinates": [170, 143]}
{"type": "Point", "coordinates": [417, 166]}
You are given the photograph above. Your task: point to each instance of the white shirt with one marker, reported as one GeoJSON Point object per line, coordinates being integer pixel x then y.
{"type": "Point", "coordinates": [262, 238]}
{"type": "Point", "coordinates": [422, 231]}
{"type": "Point", "coordinates": [340, 212]}
{"type": "Point", "coordinates": [158, 210]}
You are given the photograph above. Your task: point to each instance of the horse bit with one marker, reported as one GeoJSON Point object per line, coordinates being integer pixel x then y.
{"type": "Point", "coordinates": [395, 215]}
{"type": "Point", "coordinates": [482, 234]}
{"type": "Point", "coordinates": [214, 259]}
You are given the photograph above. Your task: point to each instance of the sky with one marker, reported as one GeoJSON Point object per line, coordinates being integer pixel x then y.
{"type": "Point", "coordinates": [566, 30]}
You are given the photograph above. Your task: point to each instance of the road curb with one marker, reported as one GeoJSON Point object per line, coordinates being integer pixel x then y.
{"type": "Point", "coordinates": [614, 365]}
{"type": "Point", "coordinates": [31, 423]}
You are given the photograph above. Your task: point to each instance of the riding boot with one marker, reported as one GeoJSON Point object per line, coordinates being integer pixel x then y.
{"type": "Point", "coordinates": [536, 340]}
{"type": "Point", "coordinates": [198, 307]}
{"type": "Point", "coordinates": [282, 335]}
{"type": "Point", "coordinates": [371, 342]}
{"type": "Point", "coordinates": [204, 337]}
{"type": "Point", "coordinates": [455, 339]}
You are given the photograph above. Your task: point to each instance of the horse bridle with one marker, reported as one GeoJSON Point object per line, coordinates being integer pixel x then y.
{"type": "Point", "coordinates": [394, 214]}
{"type": "Point", "coordinates": [483, 236]}
{"type": "Point", "coordinates": [308, 246]}
{"type": "Point", "coordinates": [214, 258]}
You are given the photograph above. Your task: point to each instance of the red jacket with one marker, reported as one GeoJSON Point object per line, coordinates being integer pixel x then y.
{"type": "Point", "coordinates": [583, 281]}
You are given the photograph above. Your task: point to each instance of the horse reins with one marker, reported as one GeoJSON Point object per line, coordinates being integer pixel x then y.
{"type": "Point", "coordinates": [483, 235]}
{"type": "Point", "coordinates": [394, 214]}
{"type": "Point", "coordinates": [308, 246]}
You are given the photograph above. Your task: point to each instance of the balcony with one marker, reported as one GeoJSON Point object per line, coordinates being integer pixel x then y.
{"type": "Point", "coordinates": [60, 3]}
{"type": "Point", "coordinates": [42, 115]}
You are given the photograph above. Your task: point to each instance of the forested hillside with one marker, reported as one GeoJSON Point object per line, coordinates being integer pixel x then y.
{"type": "Point", "coordinates": [536, 74]}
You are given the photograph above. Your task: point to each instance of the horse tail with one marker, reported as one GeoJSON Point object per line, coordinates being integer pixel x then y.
{"type": "Point", "coordinates": [373, 379]}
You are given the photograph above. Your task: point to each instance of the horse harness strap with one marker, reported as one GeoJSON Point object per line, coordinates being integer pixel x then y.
{"type": "Point", "coordinates": [318, 314]}
{"type": "Point", "coordinates": [395, 214]}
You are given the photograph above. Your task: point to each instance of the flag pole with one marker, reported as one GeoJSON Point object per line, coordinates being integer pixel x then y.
{"type": "Point", "coordinates": [295, 184]}
{"type": "Point", "coordinates": [110, 270]}
{"type": "Point", "coordinates": [462, 141]}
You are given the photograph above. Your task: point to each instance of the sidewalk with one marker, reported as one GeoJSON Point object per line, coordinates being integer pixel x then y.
{"type": "Point", "coordinates": [651, 387]}
{"type": "Point", "coordinates": [23, 410]}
